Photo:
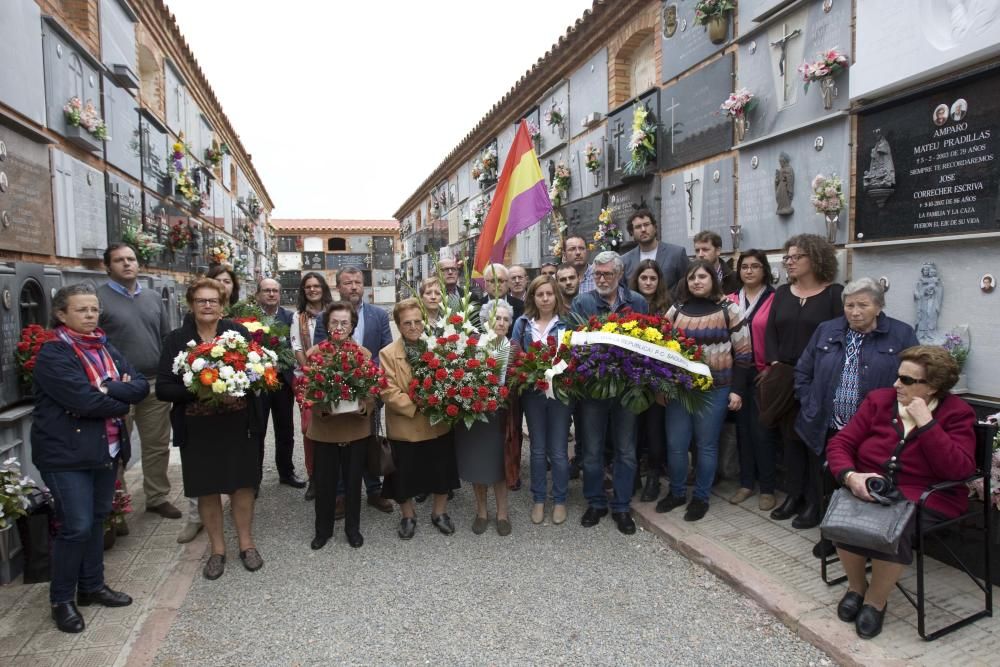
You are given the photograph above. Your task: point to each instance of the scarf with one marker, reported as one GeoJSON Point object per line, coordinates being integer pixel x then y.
{"type": "Point", "coordinates": [98, 365]}
{"type": "Point", "coordinates": [750, 304]}
{"type": "Point", "coordinates": [908, 422]}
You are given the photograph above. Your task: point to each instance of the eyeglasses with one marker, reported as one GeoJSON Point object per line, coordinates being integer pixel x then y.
{"type": "Point", "coordinates": [450, 269]}
{"type": "Point", "coordinates": [792, 259]}
{"type": "Point", "coordinates": [206, 302]}
{"type": "Point", "coordinates": [411, 324]}
{"type": "Point", "coordinates": [910, 381]}
{"type": "Point", "coordinates": [270, 291]}
{"type": "Point", "coordinates": [604, 275]}
{"type": "Point", "coordinates": [751, 267]}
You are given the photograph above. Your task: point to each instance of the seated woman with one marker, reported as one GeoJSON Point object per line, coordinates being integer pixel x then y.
{"type": "Point", "coordinates": [927, 436]}
{"type": "Point", "coordinates": [339, 444]}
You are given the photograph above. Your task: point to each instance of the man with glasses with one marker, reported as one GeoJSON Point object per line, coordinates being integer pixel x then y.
{"type": "Point", "coordinates": [495, 280]}
{"type": "Point", "coordinates": [672, 259]}
{"type": "Point", "coordinates": [372, 333]}
{"type": "Point", "coordinates": [135, 321]}
{"type": "Point", "coordinates": [601, 416]}
{"type": "Point", "coordinates": [278, 402]}
{"type": "Point", "coordinates": [708, 246]}
{"type": "Point", "coordinates": [518, 277]}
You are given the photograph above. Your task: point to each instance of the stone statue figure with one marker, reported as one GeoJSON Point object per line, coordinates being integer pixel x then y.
{"type": "Point", "coordinates": [929, 296]}
{"type": "Point", "coordinates": [881, 172]}
{"type": "Point", "coordinates": [784, 185]}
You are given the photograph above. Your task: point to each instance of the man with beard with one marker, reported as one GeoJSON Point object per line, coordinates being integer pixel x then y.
{"type": "Point", "coordinates": [671, 258]}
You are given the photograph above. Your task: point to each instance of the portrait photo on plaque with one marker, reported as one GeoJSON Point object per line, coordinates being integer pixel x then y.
{"type": "Point", "coordinates": [988, 283]}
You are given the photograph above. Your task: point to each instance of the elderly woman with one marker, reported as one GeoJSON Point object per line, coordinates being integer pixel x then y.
{"type": "Point", "coordinates": [218, 451]}
{"type": "Point", "coordinates": [339, 444]}
{"type": "Point", "coordinates": [83, 390]}
{"type": "Point", "coordinates": [548, 418]}
{"type": "Point", "coordinates": [918, 434]}
{"type": "Point", "coordinates": [797, 309]}
{"type": "Point", "coordinates": [424, 454]}
{"type": "Point", "coordinates": [480, 450]}
{"type": "Point", "coordinates": [846, 358]}
{"type": "Point", "coordinates": [430, 295]}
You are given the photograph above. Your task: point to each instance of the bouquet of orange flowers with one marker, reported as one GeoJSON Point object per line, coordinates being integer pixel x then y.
{"type": "Point", "coordinates": [227, 367]}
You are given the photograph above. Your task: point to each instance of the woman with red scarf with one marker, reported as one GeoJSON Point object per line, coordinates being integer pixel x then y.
{"type": "Point", "coordinates": [83, 390]}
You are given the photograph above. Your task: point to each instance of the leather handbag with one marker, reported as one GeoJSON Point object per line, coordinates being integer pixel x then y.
{"type": "Point", "coordinates": [380, 461]}
{"type": "Point", "coordinates": [875, 526]}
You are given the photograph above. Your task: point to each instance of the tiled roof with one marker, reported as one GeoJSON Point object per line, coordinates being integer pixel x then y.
{"type": "Point", "coordinates": [328, 225]}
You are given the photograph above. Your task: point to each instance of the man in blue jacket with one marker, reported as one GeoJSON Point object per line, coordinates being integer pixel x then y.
{"type": "Point", "coordinates": [601, 416]}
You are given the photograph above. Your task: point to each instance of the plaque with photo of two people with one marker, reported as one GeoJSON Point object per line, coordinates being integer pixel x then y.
{"type": "Point", "coordinates": [927, 165]}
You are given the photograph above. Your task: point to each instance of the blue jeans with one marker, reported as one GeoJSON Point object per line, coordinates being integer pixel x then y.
{"type": "Point", "coordinates": [706, 426]}
{"type": "Point", "coordinates": [548, 427]}
{"type": "Point", "coordinates": [596, 416]}
{"type": "Point", "coordinates": [82, 502]}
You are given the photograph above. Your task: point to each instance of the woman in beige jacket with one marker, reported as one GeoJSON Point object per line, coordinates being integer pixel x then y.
{"type": "Point", "coordinates": [424, 455]}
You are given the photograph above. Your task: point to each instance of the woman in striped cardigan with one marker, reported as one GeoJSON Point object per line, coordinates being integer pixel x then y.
{"type": "Point", "coordinates": [703, 313]}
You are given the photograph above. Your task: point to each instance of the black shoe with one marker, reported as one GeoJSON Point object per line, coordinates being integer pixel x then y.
{"type": "Point", "coordinates": [443, 523]}
{"type": "Point", "coordinates": [310, 492]}
{"type": "Point", "coordinates": [420, 497]}
{"type": "Point", "coordinates": [868, 623]}
{"type": "Point", "coordinates": [292, 480]}
{"type": "Point", "coordinates": [849, 606]}
{"type": "Point", "coordinates": [378, 502]}
{"type": "Point", "coordinates": [318, 543]}
{"type": "Point", "coordinates": [651, 491]}
{"type": "Point", "coordinates": [787, 509]}
{"type": "Point", "coordinates": [103, 596]}
{"type": "Point", "coordinates": [669, 502]}
{"type": "Point", "coordinates": [67, 617]}
{"type": "Point", "coordinates": [355, 540]}
{"type": "Point", "coordinates": [696, 509]}
{"type": "Point", "coordinates": [824, 548]}
{"type": "Point", "coordinates": [626, 526]}
{"type": "Point", "coordinates": [593, 516]}
{"type": "Point", "coordinates": [407, 527]}
{"type": "Point", "coordinates": [807, 518]}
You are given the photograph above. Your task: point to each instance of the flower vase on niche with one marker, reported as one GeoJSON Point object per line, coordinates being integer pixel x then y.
{"type": "Point", "coordinates": [740, 125]}
{"type": "Point", "coordinates": [828, 90]}
{"type": "Point", "coordinates": [832, 224]}
{"type": "Point", "coordinates": [718, 28]}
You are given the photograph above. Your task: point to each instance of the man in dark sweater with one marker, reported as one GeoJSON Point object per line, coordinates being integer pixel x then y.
{"type": "Point", "coordinates": [135, 321]}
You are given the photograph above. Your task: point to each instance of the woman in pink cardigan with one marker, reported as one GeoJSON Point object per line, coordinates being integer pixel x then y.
{"type": "Point", "coordinates": [925, 435]}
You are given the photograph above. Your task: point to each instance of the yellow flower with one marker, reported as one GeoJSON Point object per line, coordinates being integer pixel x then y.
{"type": "Point", "coordinates": [609, 327]}
{"type": "Point", "coordinates": [566, 336]}
{"type": "Point", "coordinates": [673, 345]}
{"type": "Point", "coordinates": [218, 351]}
{"type": "Point", "coordinates": [256, 326]}
{"type": "Point", "coordinates": [219, 386]}
{"type": "Point", "coordinates": [628, 326]}
{"type": "Point", "coordinates": [652, 335]}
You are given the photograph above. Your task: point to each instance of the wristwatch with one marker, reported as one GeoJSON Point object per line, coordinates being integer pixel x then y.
{"type": "Point", "coordinates": [844, 476]}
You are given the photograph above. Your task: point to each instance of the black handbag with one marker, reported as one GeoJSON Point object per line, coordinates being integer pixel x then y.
{"type": "Point", "coordinates": [878, 526]}
{"type": "Point", "coordinates": [380, 461]}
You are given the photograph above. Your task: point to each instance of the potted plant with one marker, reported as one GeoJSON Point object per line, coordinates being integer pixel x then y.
{"type": "Point", "coordinates": [715, 15]}
{"type": "Point", "coordinates": [829, 65]}
{"type": "Point", "coordinates": [828, 198]}
{"type": "Point", "coordinates": [737, 106]}
{"type": "Point", "coordinates": [84, 125]}
{"type": "Point", "coordinates": [15, 501]}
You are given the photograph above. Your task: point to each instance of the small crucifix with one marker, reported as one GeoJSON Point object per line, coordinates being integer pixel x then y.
{"type": "Point", "coordinates": [617, 135]}
{"type": "Point", "coordinates": [783, 45]}
{"type": "Point", "coordinates": [673, 105]}
{"type": "Point", "coordinates": [689, 188]}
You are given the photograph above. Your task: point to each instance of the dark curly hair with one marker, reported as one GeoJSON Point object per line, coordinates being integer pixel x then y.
{"type": "Point", "coordinates": [821, 253]}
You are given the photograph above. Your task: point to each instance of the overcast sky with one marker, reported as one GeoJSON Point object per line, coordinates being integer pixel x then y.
{"type": "Point", "coordinates": [346, 107]}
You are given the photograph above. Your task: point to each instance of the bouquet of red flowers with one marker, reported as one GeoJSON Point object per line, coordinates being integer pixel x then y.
{"type": "Point", "coordinates": [32, 338]}
{"type": "Point", "coordinates": [121, 504]}
{"type": "Point", "coordinates": [533, 369]}
{"type": "Point", "coordinates": [338, 373]}
{"type": "Point", "coordinates": [227, 367]}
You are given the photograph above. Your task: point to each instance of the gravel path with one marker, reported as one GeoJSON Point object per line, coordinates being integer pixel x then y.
{"type": "Point", "coordinates": [544, 595]}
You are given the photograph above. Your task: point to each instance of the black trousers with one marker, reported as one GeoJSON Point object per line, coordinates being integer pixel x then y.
{"type": "Point", "coordinates": [652, 437]}
{"type": "Point", "coordinates": [279, 403]}
{"type": "Point", "coordinates": [331, 463]}
{"type": "Point", "coordinates": [803, 466]}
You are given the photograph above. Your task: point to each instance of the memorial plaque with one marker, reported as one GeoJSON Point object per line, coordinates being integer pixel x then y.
{"type": "Point", "coordinates": [554, 137]}
{"type": "Point", "coordinates": [620, 133]}
{"type": "Point", "coordinates": [26, 222]}
{"type": "Point", "coordinates": [626, 200]}
{"type": "Point", "coordinates": [466, 186]}
{"type": "Point", "coordinates": [758, 204]}
{"type": "Point", "coordinates": [697, 199]}
{"type": "Point", "coordinates": [692, 128]}
{"type": "Point", "coordinates": [929, 166]}
{"type": "Point", "coordinates": [384, 255]}
{"type": "Point", "coordinates": [155, 154]}
{"type": "Point", "coordinates": [589, 88]}
{"type": "Point", "coordinates": [313, 261]}
{"type": "Point", "coordinates": [124, 206]}
{"type": "Point", "coordinates": [585, 183]}
{"type": "Point", "coordinates": [684, 43]}
{"type": "Point", "coordinates": [754, 10]}
{"type": "Point", "coordinates": [121, 115]}
{"type": "Point", "coordinates": [581, 220]}
{"type": "Point", "coordinates": [533, 116]}
{"type": "Point", "coordinates": [337, 261]}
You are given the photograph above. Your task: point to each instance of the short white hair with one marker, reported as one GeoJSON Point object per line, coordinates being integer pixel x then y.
{"type": "Point", "coordinates": [610, 257]}
{"type": "Point", "coordinates": [866, 285]}
{"type": "Point", "coordinates": [498, 270]}
{"type": "Point", "coordinates": [487, 309]}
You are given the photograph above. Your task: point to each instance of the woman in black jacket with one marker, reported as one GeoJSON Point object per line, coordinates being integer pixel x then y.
{"type": "Point", "coordinates": [83, 390]}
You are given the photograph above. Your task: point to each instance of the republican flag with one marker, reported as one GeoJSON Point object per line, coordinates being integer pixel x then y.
{"type": "Point", "coordinates": [520, 201]}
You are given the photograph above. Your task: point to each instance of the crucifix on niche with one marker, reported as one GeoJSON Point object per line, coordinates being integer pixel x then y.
{"type": "Point", "coordinates": [782, 43]}
{"type": "Point", "coordinates": [689, 184]}
{"type": "Point", "coordinates": [617, 135]}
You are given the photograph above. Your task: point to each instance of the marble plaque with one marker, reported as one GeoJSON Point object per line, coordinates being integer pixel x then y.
{"type": "Point", "coordinates": [626, 200]}
{"type": "Point", "coordinates": [692, 128]}
{"type": "Point", "coordinates": [554, 137]}
{"type": "Point", "coordinates": [26, 222]}
{"type": "Point", "coordinates": [337, 261]}
{"type": "Point", "coordinates": [589, 89]}
{"type": "Point", "coordinates": [770, 72]}
{"type": "Point", "coordinates": [684, 42]}
{"type": "Point", "coordinates": [155, 154]}
{"type": "Point", "coordinates": [761, 225]}
{"type": "Point", "coordinates": [697, 199]}
{"type": "Point", "coordinates": [581, 220]}
{"type": "Point", "coordinates": [584, 183]}
{"type": "Point", "coordinates": [120, 112]}
{"type": "Point", "coordinates": [929, 166]}
{"type": "Point", "coordinates": [619, 133]}
{"type": "Point", "coordinates": [754, 10]}
{"type": "Point", "coordinates": [124, 205]}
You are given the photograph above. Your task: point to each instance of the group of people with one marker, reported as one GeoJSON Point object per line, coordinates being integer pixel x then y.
{"type": "Point", "coordinates": [812, 369]}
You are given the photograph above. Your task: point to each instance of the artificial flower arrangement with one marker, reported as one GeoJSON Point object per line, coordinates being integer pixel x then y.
{"type": "Point", "coordinates": [214, 155]}
{"type": "Point", "coordinates": [636, 358]}
{"type": "Point", "coordinates": [268, 332]}
{"type": "Point", "coordinates": [591, 156]}
{"type": "Point", "coordinates": [15, 493]}
{"type": "Point", "coordinates": [958, 347]}
{"type": "Point", "coordinates": [739, 103]}
{"type": "Point", "coordinates": [608, 236]}
{"type": "Point", "coordinates": [488, 159]}
{"type": "Point", "coordinates": [86, 116]}
{"type": "Point", "coordinates": [227, 367]}
{"type": "Point", "coordinates": [642, 144]}
{"type": "Point", "coordinates": [180, 236]}
{"type": "Point", "coordinates": [220, 251]}
{"type": "Point", "coordinates": [536, 368]}
{"type": "Point", "coordinates": [828, 194]}
{"type": "Point", "coordinates": [338, 373]}
{"type": "Point", "coordinates": [145, 244]}
{"type": "Point", "coordinates": [706, 9]}
{"type": "Point", "coordinates": [121, 504]}
{"type": "Point", "coordinates": [829, 64]}
{"type": "Point", "coordinates": [555, 118]}
{"type": "Point", "coordinates": [535, 133]}
{"type": "Point", "coordinates": [558, 232]}
{"type": "Point", "coordinates": [479, 214]}
{"type": "Point", "coordinates": [560, 184]}
{"type": "Point", "coordinates": [33, 337]}
{"type": "Point", "coordinates": [185, 183]}
{"type": "Point", "coordinates": [458, 370]}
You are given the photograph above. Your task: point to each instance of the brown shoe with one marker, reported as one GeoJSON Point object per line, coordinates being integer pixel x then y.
{"type": "Point", "coordinates": [766, 502]}
{"type": "Point", "coordinates": [251, 559]}
{"type": "Point", "coordinates": [381, 504]}
{"type": "Point", "coordinates": [742, 494]}
{"type": "Point", "coordinates": [215, 566]}
{"type": "Point", "coordinates": [165, 509]}
{"type": "Point", "coordinates": [339, 510]}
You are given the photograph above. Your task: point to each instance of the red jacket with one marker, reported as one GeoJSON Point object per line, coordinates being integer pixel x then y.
{"type": "Point", "coordinates": [943, 450]}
